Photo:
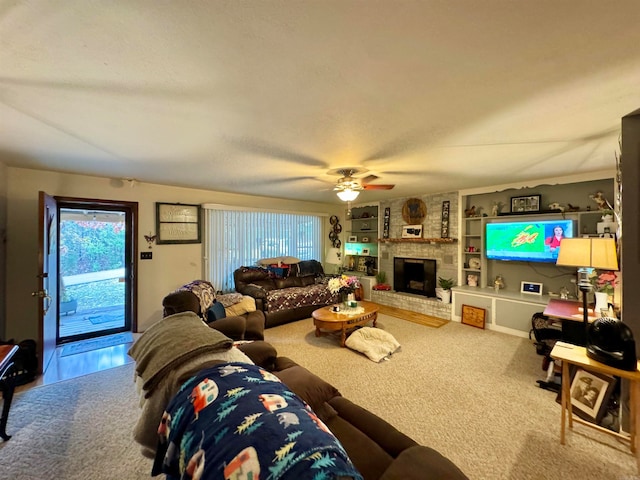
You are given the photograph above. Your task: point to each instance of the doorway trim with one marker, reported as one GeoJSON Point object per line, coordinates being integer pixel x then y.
{"type": "Point", "coordinates": [130, 254]}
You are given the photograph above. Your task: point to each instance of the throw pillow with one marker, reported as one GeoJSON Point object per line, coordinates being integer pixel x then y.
{"type": "Point", "coordinates": [247, 304]}
{"type": "Point", "coordinates": [216, 312]}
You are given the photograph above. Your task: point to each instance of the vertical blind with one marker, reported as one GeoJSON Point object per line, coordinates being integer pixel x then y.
{"type": "Point", "coordinates": [235, 238]}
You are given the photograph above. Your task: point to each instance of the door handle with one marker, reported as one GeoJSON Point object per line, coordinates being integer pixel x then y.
{"type": "Point", "coordinates": [44, 295]}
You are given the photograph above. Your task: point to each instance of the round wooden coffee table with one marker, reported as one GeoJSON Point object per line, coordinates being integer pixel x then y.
{"type": "Point", "coordinates": [326, 319]}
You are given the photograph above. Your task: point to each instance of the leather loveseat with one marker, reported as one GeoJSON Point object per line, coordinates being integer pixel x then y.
{"type": "Point", "coordinates": [284, 300]}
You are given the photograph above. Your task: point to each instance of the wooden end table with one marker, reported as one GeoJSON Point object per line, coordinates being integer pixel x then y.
{"type": "Point", "coordinates": [326, 319]}
{"type": "Point", "coordinates": [577, 355]}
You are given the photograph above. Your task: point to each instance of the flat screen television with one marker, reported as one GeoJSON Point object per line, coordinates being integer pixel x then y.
{"type": "Point", "coordinates": [531, 241]}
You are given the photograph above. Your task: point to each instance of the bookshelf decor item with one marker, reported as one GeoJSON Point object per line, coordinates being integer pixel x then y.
{"type": "Point", "coordinates": [412, 231]}
{"type": "Point", "coordinates": [525, 204]}
{"type": "Point", "coordinates": [177, 223]}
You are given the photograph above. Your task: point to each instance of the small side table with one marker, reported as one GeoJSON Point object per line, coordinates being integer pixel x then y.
{"type": "Point", "coordinates": [7, 385]}
{"type": "Point", "coordinates": [574, 355]}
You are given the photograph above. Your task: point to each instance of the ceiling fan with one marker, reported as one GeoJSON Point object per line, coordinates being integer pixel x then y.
{"type": "Point", "coordinates": [348, 187]}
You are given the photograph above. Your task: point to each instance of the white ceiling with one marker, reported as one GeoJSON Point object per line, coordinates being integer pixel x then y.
{"type": "Point", "coordinates": [264, 97]}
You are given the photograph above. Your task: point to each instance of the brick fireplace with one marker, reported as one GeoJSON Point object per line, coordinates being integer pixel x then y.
{"type": "Point", "coordinates": [445, 255]}
{"type": "Point", "coordinates": [414, 275]}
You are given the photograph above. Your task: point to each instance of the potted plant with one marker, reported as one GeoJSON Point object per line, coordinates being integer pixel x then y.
{"type": "Point", "coordinates": [67, 304]}
{"type": "Point", "coordinates": [444, 290]}
{"type": "Point", "coordinates": [381, 278]}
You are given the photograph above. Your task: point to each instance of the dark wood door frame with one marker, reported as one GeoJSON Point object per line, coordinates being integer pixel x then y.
{"type": "Point", "coordinates": [131, 265]}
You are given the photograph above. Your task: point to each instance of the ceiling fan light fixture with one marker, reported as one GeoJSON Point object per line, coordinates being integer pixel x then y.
{"type": "Point", "coordinates": [348, 195]}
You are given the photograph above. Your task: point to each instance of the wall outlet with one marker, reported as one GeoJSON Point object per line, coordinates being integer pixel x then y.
{"type": "Point", "coordinates": [146, 255]}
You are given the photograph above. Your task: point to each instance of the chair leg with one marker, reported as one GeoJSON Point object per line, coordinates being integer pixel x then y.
{"type": "Point", "coordinates": [550, 371]}
{"type": "Point", "coordinates": [7, 386]}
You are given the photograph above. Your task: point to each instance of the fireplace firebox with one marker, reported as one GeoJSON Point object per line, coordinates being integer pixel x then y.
{"type": "Point", "coordinates": [414, 275]}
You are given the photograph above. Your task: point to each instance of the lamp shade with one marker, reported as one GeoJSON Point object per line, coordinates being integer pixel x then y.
{"type": "Point", "coordinates": [348, 195]}
{"type": "Point", "coordinates": [334, 256]}
{"type": "Point", "coordinates": [588, 252]}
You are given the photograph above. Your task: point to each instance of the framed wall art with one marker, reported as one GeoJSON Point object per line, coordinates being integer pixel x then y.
{"type": "Point", "coordinates": [177, 223]}
{"type": "Point", "coordinates": [525, 204]}
{"type": "Point", "coordinates": [412, 231]}
{"type": "Point", "coordinates": [444, 224]}
{"type": "Point", "coordinates": [473, 316]}
{"type": "Point", "coordinates": [385, 226]}
{"type": "Point", "coordinates": [414, 211]}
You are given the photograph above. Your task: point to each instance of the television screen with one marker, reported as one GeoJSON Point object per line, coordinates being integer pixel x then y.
{"type": "Point", "coordinates": [533, 241]}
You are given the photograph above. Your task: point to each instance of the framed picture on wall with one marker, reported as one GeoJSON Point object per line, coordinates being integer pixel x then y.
{"type": "Point", "coordinates": [177, 223]}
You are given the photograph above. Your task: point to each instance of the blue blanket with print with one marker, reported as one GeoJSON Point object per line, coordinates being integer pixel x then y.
{"type": "Point", "coordinates": [239, 421]}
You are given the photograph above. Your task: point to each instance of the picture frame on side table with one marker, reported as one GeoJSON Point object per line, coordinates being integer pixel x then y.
{"type": "Point", "coordinates": [590, 394]}
{"type": "Point", "coordinates": [177, 223]}
{"type": "Point", "coordinates": [525, 204]}
{"type": "Point", "coordinates": [473, 316]}
{"type": "Point", "coordinates": [352, 239]}
{"type": "Point", "coordinates": [366, 251]}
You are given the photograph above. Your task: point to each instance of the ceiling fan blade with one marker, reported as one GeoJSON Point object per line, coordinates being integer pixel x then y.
{"type": "Point", "coordinates": [377, 187]}
{"type": "Point", "coordinates": [368, 179]}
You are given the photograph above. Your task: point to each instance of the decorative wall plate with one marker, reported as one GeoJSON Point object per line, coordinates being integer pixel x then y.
{"type": "Point", "coordinates": [414, 211]}
{"type": "Point", "coordinates": [337, 243]}
{"type": "Point", "coordinates": [333, 219]}
{"type": "Point", "coordinates": [337, 228]}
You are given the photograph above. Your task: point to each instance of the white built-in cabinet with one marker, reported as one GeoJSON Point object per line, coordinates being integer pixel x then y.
{"type": "Point", "coordinates": [507, 309]}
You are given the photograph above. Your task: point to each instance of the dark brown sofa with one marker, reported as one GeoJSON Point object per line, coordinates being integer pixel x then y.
{"type": "Point", "coordinates": [284, 300]}
{"type": "Point", "coordinates": [377, 449]}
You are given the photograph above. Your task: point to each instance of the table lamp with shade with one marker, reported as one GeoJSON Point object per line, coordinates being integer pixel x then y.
{"type": "Point", "coordinates": [334, 257]}
{"type": "Point", "coordinates": [587, 253]}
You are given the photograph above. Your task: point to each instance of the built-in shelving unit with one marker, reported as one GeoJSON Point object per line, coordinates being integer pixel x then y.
{"type": "Point", "coordinates": [507, 309]}
{"type": "Point", "coordinates": [362, 238]}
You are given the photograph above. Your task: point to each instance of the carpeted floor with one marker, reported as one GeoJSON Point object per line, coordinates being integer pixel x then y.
{"type": "Point", "coordinates": [469, 393]}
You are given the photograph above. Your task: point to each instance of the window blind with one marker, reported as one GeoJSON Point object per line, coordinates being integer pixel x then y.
{"type": "Point", "coordinates": [235, 238]}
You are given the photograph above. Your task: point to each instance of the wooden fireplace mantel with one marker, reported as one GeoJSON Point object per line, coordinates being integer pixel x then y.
{"type": "Point", "coordinates": [417, 240]}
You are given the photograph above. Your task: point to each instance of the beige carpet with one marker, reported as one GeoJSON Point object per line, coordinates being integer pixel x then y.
{"type": "Point", "coordinates": [469, 393]}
